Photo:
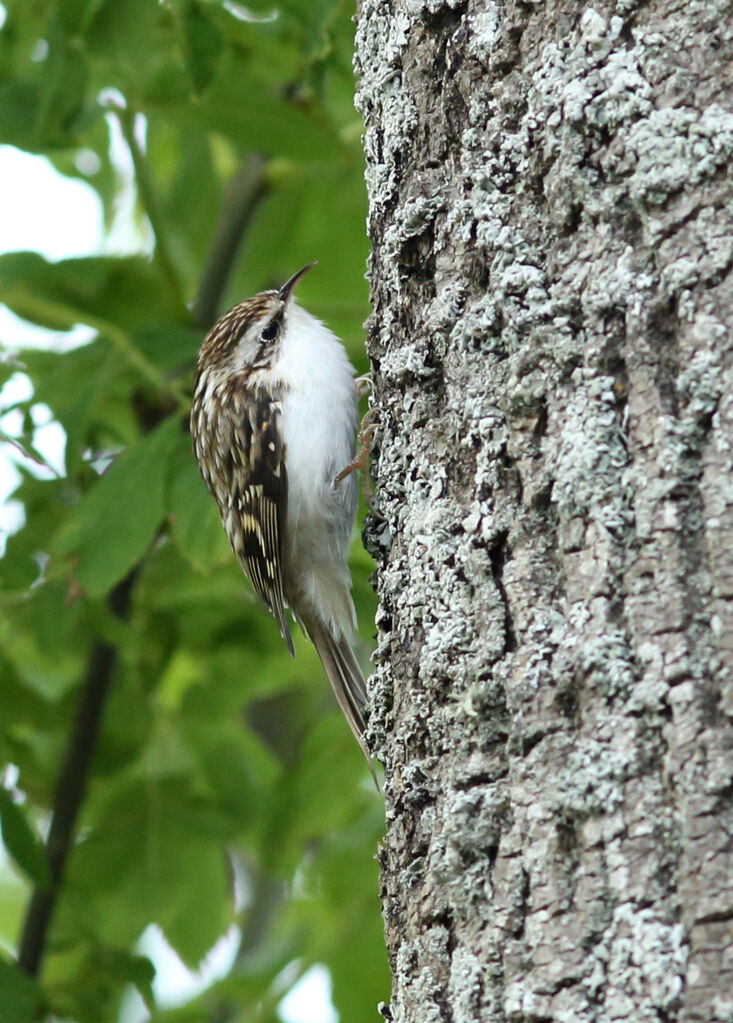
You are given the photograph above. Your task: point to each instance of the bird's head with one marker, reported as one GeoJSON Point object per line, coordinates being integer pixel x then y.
{"type": "Point", "coordinates": [247, 338]}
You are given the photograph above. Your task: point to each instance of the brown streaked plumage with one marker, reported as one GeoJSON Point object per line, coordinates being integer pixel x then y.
{"type": "Point", "coordinates": [273, 424]}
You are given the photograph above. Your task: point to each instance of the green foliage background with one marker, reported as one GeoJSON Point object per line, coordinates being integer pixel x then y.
{"type": "Point", "coordinates": [218, 756]}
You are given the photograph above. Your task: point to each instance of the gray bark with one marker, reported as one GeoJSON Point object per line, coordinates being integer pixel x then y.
{"type": "Point", "coordinates": [552, 224]}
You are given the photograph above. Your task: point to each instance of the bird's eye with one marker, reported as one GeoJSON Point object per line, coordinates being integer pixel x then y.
{"type": "Point", "coordinates": [270, 332]}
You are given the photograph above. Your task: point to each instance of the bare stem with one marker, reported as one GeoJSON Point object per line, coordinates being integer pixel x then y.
{"type": "Point", "coordinates": [25, 448]}
{"type": "Point", "coordinates": [151, 205]}
{"type": "Point", "coordinates": [71, 785]}
{"type": "Point", "coordinates": [243, 196]}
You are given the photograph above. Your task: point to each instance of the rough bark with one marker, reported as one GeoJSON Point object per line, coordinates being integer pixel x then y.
{"type": "Point", "coordinates": [552, 224]}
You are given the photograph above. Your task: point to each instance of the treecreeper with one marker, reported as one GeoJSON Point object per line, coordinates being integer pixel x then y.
{"type": "Point", "coordinates": [273, 423]}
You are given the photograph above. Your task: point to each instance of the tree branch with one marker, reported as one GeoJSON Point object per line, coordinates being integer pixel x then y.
{"type": "Point", "coordinates": [71, 785]}
{"type": "Point", "coordinates": [244, 194]}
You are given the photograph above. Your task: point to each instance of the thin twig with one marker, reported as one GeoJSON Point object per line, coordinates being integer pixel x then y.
{"type": "Point", "coordinates": [151, 205]}
{"type": "Point", "coordinates": [27, 450]}
{"type": "Point", "coordinates": [71, 785]}
{"type": "Point", "coordinates": [243, 196]}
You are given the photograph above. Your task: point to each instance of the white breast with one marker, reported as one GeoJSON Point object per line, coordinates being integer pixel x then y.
{"type": "Point", "coordinates": [319, 409]}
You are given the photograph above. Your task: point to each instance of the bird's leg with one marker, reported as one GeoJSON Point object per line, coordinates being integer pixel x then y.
{"type": "Point", "coordinates": [364, 442]}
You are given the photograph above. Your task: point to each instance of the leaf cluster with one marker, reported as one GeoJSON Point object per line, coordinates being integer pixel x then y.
{"type": "Point", "coordinates": [224, 787]}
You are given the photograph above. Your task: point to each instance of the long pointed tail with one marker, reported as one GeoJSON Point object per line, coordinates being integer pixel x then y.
{"type": "Point", "coordinates": [345, 677]}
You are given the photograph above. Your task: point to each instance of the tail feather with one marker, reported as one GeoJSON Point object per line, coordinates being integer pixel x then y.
{"type": "Point", "coordinates": [345, 677]}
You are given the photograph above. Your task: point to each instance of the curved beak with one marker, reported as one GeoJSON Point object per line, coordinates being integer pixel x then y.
{"type": "Point", "coordinates": [289, 286]}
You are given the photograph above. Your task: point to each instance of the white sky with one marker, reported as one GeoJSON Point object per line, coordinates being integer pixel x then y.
{"type": "Point", "coordinates": [41, 210]}
{"type": "Point", "coordinates": [60, 217]}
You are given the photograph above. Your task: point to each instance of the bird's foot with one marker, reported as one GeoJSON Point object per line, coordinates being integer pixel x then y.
{"type": "Point", "coordinates": [363, 384]}
{"type": "Point", "coordinates": [364, 440]}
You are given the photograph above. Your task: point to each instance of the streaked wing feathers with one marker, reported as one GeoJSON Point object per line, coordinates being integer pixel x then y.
{"type": "Point", "coordinates": [260, 497]}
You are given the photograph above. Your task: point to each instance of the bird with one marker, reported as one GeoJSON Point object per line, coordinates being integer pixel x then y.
{"type": "Point", "coordinates": [273, 424]}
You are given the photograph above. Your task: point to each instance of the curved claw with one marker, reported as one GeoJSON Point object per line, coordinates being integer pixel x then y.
{"type": "Point", "coordinates": [363, 384]}
{"type": "Point", "coordinates": [366, 435]}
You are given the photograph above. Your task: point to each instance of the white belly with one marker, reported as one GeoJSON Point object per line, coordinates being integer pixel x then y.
{"type": "Point", "coordinates": [319, 425]}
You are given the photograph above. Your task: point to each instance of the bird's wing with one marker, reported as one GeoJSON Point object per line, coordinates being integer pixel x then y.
{"type": "Point", "coordinates": [260, 500]}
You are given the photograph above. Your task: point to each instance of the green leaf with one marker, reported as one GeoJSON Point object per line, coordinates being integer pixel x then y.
{"type": "Point", "coordinates": [75, 15]}
{"type": "Point", "coordinates": [19, 101]}
{"type": "Point", "coordinates": [44, 507]}
{"type": "Point", "coordinates": [203, 44]}
{"type": "Point", "coordinates": [168, 346]}
{"type": "Point", "coordinates": [132, 38]}
{"type": "Point", "coordinates": [196, 525]}
{"type": "Point", "coordinates": [47, 642]}
{"type": "Point", "coordinates": [112, 526]}
{"type": "Point", "coordinates": [64, 86]}
{"type": "Point", "coordinates": [21, 841]}
{"type": "Point", "coordinates": [69, 383]}
{"type": "Point", "coordinates": [203, 911]}
{"type": "Point", "coordinates": [84, 981]}
{"type": "Point", "coordinates": [14, 894]}
{"type": "Point", "coordinates": [155, 855]}
{"type": "Point", "coordinates": [330, 764]}
{"type": "Point", "coordinates": [101, 290]}
{"type": "Point", "coordinates": [271, 124]}
{"type": "Point", "coordinates": [133, 969]}
{"type": "Point", "coordinates": [21, 998]}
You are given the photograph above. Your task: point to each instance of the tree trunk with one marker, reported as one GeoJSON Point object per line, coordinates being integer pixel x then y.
{"type": "Point", "coordinates": [552, 227]}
